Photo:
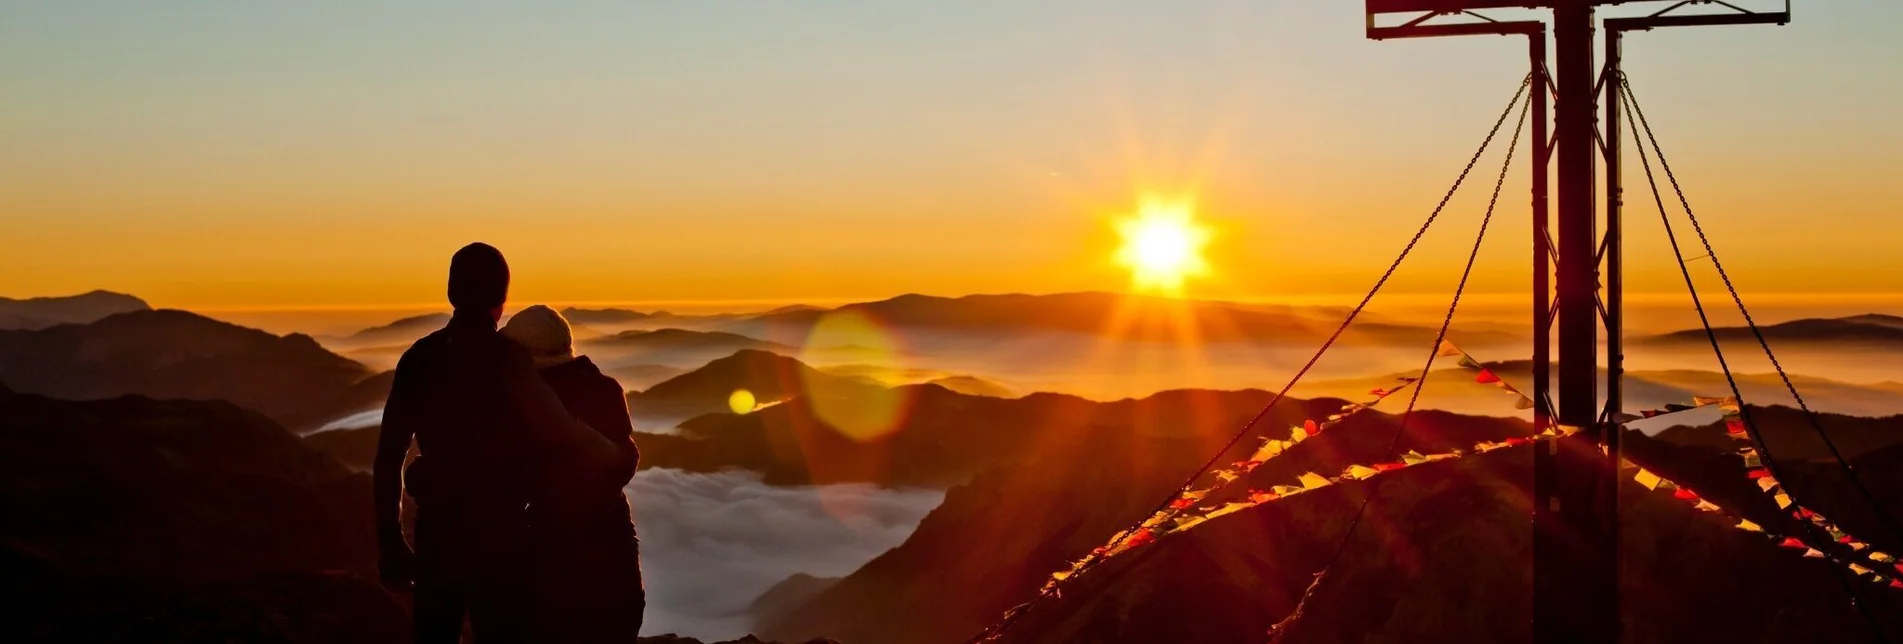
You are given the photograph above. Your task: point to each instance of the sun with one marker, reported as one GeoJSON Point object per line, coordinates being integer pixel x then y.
{"type": "Point", "coordinates": [1162, 246]}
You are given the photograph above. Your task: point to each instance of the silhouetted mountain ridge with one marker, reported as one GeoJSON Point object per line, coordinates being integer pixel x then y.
{"type": "Point", "coordinates": [42, 312]}
{"type": "Point", "coordinates": [1866, 329]}
{"type": "Point", "coordinates": [1084, 313]}
{"type": "Point", "coordinates": [177, 354]}
{"type": "Point", "coordinates": [132, 519]}
{"type": "Point", "coordinates": [1445, 554]}
{"type": "Point", "coordinates": [768, 376]}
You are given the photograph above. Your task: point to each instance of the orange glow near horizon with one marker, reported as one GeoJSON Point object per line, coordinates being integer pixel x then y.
{"type": "Point", "coordinates": [1163, 245]}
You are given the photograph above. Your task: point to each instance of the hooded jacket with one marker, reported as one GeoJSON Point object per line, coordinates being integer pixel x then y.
{"type": "Point", "coordinates": [569, 497]}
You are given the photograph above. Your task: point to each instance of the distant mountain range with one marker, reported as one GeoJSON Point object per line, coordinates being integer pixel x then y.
{"type": "Point", "coordinates": [768, 377]}
{"type": "Point", "coordinates": [42, 312]}
{"type": "Point", "coordinates": [1090, 313]}
{"type": "Point", "coordinates": [1871, 329]}
{"type": "Point", "coordinates": [1452, 389]}
{"type": "Point", "coordinates": [176, 354]}
{"type": "Point", "coordinates": [401, 332]}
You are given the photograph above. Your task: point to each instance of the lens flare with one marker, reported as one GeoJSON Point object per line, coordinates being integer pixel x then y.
{"type": "Point", "coordinates": [857, 411]}
{"type": "Point", "coordinates": [742, 401]}
{"type": "Point", "coordinates": [1162, 245]}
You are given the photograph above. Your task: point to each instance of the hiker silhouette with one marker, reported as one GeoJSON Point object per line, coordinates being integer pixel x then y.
{"type": "Point", "coordinates": [486, 426]}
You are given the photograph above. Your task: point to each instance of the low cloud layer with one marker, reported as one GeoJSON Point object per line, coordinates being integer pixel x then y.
{"type": "Point", "coordinates": [712, 543]}
{"type": "Point", "coordinates": [358, 420]}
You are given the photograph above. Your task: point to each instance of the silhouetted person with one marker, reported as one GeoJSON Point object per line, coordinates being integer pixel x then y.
{"type": "Point", "coordinates": [588, 565]}
{"type": "Point", "coordinates": [482, 418]}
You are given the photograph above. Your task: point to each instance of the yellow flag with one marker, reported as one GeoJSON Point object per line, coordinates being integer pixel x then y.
{"type": "Point", "coordinates": [1744, 524]}
{"type": "Point", "coordinates": [1359, 472]}
{"type": "Point", "coordinates": [1767, 483]}
{"type": "Point", "coordinates": [1230, 508]}
{"type": "Point", "coordinates": [1881, 557]}
{"type": "Point", "coordinates": [1702, 401]}
{"type": "Point", "coordinates": [1860, 570]}
{"type": "Point", "coordinates": [1447, 350]}
{"type": "Point", "coordinates": [1647, 479]}
{"type": "Point", "coordinates": [1812, 553]}
{"type": "Point", "coordinates": [1311, 480]}
{"type": "Point", "coordinates": [1783, 501]}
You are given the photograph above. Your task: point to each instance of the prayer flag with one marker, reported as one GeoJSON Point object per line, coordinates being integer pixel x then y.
{"type": "Point", "coordinates": [1647, 479]}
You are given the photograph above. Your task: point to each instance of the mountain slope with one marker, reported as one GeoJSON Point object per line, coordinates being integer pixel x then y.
{"type": "Point", "coordinates": [770, 378]}
{"type": "Point", "coordinates": [42, 312]}
{"type": "Point", "coordinates": [133, 519]}
{"type": "Point", "coordinates": [176, 354]}
{"type": "Point", "coordinates": [1444, 555]}
{"type": "Point", "coordinates": [940, 438]}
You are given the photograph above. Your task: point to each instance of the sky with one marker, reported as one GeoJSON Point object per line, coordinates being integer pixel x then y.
{"type": "Point", "coordinates": [264, 155]}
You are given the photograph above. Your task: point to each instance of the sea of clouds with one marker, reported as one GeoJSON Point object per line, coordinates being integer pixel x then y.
{"type": "Point", "coordinates": [712, 543]}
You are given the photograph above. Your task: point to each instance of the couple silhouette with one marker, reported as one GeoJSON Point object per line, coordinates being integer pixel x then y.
{"type": "Point", "coordinates": [523, 450]}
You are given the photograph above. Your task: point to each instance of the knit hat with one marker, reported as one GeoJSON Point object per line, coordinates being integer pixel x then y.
{"type": "Point", "coordinates": [544, 333]}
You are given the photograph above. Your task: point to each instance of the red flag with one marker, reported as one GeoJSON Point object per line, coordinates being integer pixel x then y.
{"type": "Point", "coordinates": [1379, 392]}
{"type": "Point", "coordinates": [1845, 539]}
{"type": "Point", "coordinates": [1734, 426]}
{"type": "Point", "coordinates": [1793, 543]}
{"type": "Point", "coordinates": [1258, 496]}
{"type": "Point", "coordinates": [1486, 377]}
{"type": "Point", "coordinates": [1182, 504]}
{"type": "Point", "coordinates": [1896, 584]}
{"type": "Point", "coordinates": [1387, 467]}
{"type": "Point", "coordinates": [1686, 494]}
{"type": "Point", "coordinates": [1139, 538]}
{"type": "Point", "coordinates": [1759, 472]}
{"type": "Point", "coordinates": [1309, 427]}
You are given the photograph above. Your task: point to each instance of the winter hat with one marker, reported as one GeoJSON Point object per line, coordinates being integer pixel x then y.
{"type": "Point", "coordinates": [478, 278]}
{"type": "Point", "coordinates": [544, 333]}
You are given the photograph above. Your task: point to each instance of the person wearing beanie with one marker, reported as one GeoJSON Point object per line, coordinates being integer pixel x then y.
{"type": "Point", "coordinates": [544, 333]}
{"type": "Point", "coordinates": [483, 420]}
{"type": "Point", "coordinates": [586, 556]}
